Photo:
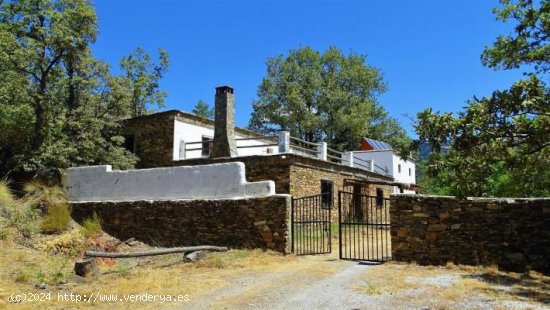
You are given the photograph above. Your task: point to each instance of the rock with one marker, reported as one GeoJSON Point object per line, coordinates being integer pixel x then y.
{"type": "Point", "coordinates": [437, 227]}
{"type": "Point", "coordinates": [431, 236]}
{"type": "Point", "coordinates": [41, 286]}
{"type": "Point", "coordinates": [402, 232]}
{"type": "Point", "coordinates": [515, 256]}
{"type": "Point", "coordinates": [195, 256]}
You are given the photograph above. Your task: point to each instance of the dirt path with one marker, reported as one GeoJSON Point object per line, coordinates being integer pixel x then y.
{"type": "Point", "coordinates": [316, 282]}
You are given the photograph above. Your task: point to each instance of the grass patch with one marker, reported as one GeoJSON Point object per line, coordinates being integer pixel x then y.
{"type": "Point", "coordinates": [6, 197]}
{"type": "Point", "coordinates": [91, 227]}
{"type": "Point", "coordinates": [24, 218]}
{"type": "Point", "coordinates": [42, 196]}
{"type": "Point", "coordinates": [56, 219]}
{"type": "Point", "coordinates": [123, 268]}
{"type": "Point", "coordinates": [372, 289]}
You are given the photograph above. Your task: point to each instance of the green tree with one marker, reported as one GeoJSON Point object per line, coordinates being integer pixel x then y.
{"type": "Point", "coordinates": [528, 43]}
{"type": "Point", "coordinates": [202, 109]}
{"type": "Point", "coordinates": [324, 97]}
{"type": "Point", "coordinates": [144, 76]}
{"type": "Point", "coordinates": [59, 106]}
{"type": "Point", "coordinates": [500, 144]}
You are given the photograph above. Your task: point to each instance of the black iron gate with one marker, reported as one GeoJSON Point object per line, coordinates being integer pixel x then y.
{"type": "Point", "coordinates": [311, 230]}
{"type": "Point", "coordinates": [364, 224]}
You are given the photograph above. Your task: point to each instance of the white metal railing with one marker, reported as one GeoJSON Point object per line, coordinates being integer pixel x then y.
{"type": "Point", "coordinates": [303, 147]}
{"type": "Point", "coordinates": [284, 143]}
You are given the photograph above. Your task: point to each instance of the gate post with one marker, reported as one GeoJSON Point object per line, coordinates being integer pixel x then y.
{"type": "Point", "coordinates": [292, 225]}
{"type": "Point", "coordinates": [340, 224]}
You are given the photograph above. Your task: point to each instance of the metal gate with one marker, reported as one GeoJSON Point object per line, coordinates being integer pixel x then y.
{"type": "Point", "coordinates": [311, 230]}
{"type": "Point", "coordinates": [364, 224]}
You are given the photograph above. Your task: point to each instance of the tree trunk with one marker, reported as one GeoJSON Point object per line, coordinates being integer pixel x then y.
{"type": "Point", "coordinates": [156, 251]}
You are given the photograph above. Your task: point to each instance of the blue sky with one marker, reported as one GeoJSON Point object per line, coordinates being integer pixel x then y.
{"type": "Point", "coordinates": [428, 51]}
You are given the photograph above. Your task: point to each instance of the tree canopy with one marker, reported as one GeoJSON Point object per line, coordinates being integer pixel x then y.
{"type": "Point", "coordinates": [59, 106]}
{"type": "Point", "coordinates": [528, 43]}
{"type": "Point", "coordinates": [202, 109]}
{"type": "Point", "coordinates": [500, 145]}
{"type": "Point", "coordinates": [325, 96]}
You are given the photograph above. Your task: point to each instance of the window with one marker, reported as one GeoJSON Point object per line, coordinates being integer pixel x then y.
{"type": "Point", "coordinates": [399, 168]}
{"type": "Point", "coordinates": [326, 193]}
{"type": "Point", "coordinates": [206, 145]}
{"type": "Point", "coordinates": [379, 197]}
{"type": "Point", "coordinates": [182, 150]}
{"type": "Point", "coordinates": [129, 143]}
{"type": "Point", "coordinates": [410, 172]}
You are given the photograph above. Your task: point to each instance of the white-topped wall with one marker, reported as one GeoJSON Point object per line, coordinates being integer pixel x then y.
{"type": "Point", "coordinates": [215, 181]}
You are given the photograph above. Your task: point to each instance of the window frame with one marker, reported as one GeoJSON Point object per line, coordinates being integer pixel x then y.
{"type": "Point", "coordinates": [327, 197]}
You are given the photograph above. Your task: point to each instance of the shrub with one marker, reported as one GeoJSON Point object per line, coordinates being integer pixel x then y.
{"type": "Point", "coordinates": [91, 227]}
{"type": "Point", "coordinates": [24, 219]}
{"type": "Point", "coordinates": [42, 196]}
{"type": "Point", "coordinates": [57, 219]}
{"type": "Point", "coordinates": [6, 197]}
{"type": "Point", "coordinates": [67, 243]}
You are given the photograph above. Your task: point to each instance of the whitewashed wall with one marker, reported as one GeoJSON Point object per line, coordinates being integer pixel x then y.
{"type": "Point", "coordinates": [406, 166]}
{"type": "Point", "coordinates": [390, 161]}
{"type": "Point", "coordinates": [216, 181]}
{"type": "Point", "coordinates": [185, 133]}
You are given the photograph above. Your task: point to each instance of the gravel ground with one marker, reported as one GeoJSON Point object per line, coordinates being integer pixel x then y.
{"type": "Point", "coordinates": [341, 285]}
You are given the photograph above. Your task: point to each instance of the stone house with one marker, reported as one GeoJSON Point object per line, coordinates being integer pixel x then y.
{"type": "Point", "coordinates": [299, 168]}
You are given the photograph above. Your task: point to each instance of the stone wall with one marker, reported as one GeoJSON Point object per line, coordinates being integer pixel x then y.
{"type": "Point", "coordinates": [511, 233]}
{"type": "Point", "coordinates": [237, 223]}
{"type": "Point", "coordinates": [153, 138]}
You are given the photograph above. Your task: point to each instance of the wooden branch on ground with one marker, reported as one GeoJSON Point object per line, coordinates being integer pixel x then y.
{"type": "Point", "coordinates": [156, 251]}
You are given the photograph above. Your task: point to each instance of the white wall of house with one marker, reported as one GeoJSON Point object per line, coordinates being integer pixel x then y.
{"type": "Point", "coordinates": [403, 171]}
{"type": "Point", "coordinates": [185, 133]}
{"type": "Point", "coordinates": [215, 181]}
{"type": "Point", "coordinates": [382, 159]}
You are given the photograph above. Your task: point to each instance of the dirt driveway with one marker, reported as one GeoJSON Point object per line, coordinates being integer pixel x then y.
{"type": "Point", "coordinates": [324, 282]}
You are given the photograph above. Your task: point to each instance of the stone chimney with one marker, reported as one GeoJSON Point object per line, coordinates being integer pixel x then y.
{"type": "Point", "coordinates": [224, 127]}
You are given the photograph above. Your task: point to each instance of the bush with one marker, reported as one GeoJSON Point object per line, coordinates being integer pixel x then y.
{"type": "Point", "coordinates": [23, 218]}
{"type": "Point", "coordinates": [6, 198]}
{"type": "Point", "coordinates": [42, 196]}
{"type": "Point", "coordinates": [57, 219]}
{"type": "Point", "coordinates": [91, 227]}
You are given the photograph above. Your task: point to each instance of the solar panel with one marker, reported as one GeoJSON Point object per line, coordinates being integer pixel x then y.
{"type": "Point", "coordinates": [378, 145]}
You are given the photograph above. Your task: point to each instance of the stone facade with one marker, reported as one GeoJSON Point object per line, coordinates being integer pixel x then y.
{"type": "Point", "coordinates": [152, 137]}
{"type": "Point", "coordinates": [301, 176]}
{"type": "Point", "coordinates": [236, 223]}
{"type": "Point", "coordinates": [512, 233]}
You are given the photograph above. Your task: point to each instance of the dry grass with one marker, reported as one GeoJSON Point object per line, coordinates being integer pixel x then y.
{"type": "Point", "coordinates": [366, 242]}
{"type": "Point", "coordinates": [91, 227]}
{"type": "Point", "coordinates": [409, 284]}
{"type": "Point", "coordinates": [6, 197]}
{"type": "Point", "coordinates": [56, 219]}
{"type": "Point", "coordinates": [42, 196]}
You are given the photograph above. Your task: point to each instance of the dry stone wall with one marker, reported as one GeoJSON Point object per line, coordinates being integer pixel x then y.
{"type": "Point", "coordinates": [511, 233]}
{"type": "Point", "coordinates": [238, 223]}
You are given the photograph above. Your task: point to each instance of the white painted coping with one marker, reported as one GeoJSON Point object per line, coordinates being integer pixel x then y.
{"type": "Point", "coordinates": [216, 181]}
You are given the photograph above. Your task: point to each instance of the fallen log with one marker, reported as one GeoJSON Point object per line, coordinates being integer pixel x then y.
{"type": "Point", "coordinates": [156, 251]}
